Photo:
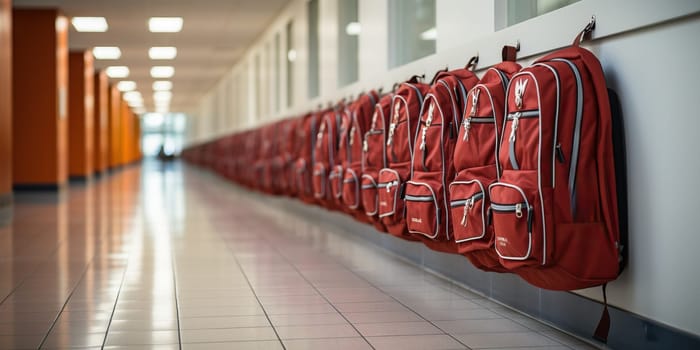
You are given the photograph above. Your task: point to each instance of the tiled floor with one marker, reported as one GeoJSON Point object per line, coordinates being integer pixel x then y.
{"type": "Point", "coordinates": [171, 257]}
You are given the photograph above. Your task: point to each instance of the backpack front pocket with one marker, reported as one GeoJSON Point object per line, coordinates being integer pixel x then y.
{"type": "Point", "coordinates": [519, 220]}
{"type": "Point", "coordinates": [319, 181]}
{"type": "Point", "coordinates": [423, 214]}
{"type": "Point", "coordinates": [370, 195]}
{"type": "Point", "coordinates": [351, 189]}
{"type": "Point", "coordinates": [468, 205]}
{"type": "Point", "coordinates": [390, 203]}
{"type": "Point", "coordinates": [335, 179]}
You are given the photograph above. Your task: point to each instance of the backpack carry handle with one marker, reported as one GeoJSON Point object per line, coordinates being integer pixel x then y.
{"type": "Point", "coordinates": [586, 31]}
{"type": "Point", "coordinates": [435, 77]}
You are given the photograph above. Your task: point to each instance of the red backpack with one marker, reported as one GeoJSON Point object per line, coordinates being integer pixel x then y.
{"type": "Point", "coordinates": [374, 158]}
{"type": "Point", "coordinates": [335, 177]}
{"type": "Point", "coordinates": [475, 161]}
{"type": "Point", "coordinates": [554, 209]}
{"type": "Point", "coordinates": [325, 155]}
{"type": "Point", "coordinates": [427, 197]}
{"type": "Point", "coordinates": [405, 112]}
{"type": "Point", "coordinates": [306, 132]}
{"type": "Point", "coordinates": [351, 150]}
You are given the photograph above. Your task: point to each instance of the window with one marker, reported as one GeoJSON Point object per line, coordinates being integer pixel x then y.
{"type": "Point", "coordinates": [291, 57]}
{"type": "Point", "coordinates": [258, 87]}
{"type": "Point", "coordinates": [312, 11]}
{"type": "Point", "coordinates": [412, 32]}
{"type": "Point", "coordinates": [276, 72]}
{"type": "Point", "coordinates": [348, 33]}
{"type": "Point", "coordinates": [521, 10]}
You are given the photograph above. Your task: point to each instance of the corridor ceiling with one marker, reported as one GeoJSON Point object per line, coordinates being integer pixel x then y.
{"type": "Point", "coordinates": [214, 36]}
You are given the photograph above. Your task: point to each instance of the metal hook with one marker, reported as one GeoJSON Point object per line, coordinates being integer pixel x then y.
{"type": "Point", "coordinates": [517, 46]}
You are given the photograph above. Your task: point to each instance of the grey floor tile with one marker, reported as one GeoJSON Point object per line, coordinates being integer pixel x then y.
{"type": "Point", "coordinates": [316, 331]}
{"type": "Point", "coordinates": [325, 344]}
{"type": "Point", "coordinates": [415, 342]}
{"type": "Point", "coordinates": [396, 328]}
{"type": "Point", "coordinates": [227, 335]}
{"type": "Point", "coordinates": [504, 340]}
{"type": "Point", "coordinates": [480, 326]}
{"type": "Point", "coordinates": [307, 319]}
{"type": "Point", "coordinates": [224, 322]}
{"type": "Point", "coordinates": [382, 316]}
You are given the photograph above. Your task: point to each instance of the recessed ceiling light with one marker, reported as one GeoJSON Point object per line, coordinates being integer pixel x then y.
{"type": "Point", "coordinates": [90, 24]}
{"type": "Point", "coordinates": [162, 96]}
{"type": "Point", "coordinates": [162, 71]}
{"type": "Point", "coordinates": [353, 28]}
{"type": "Point", "coordinates": [292, 55]}
{"type": "Point", "coordinates": [135, 103]}
{"type": "Point", "coordinates": [117, 71]}
{"type": "Point", "coordinates": [162, 85]}
{"type": "Point", "coordinates": [162, 52]}
{"type": "Point", "coordinates": [165, 24]}
{"type": "Point", "coordinates": [126, 85]}
{"type": "Point", "coordinates": [132, 96]}
{"type": "Point", "coordinates": [106, 52]}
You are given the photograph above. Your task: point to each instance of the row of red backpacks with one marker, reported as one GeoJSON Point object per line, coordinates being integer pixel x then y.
{"type": "Point", "coordinates": [515, 170]}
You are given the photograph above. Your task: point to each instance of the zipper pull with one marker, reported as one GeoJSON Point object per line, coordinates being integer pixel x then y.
{"type": "Point", "coordinates": [467, 206]}
{"type": "Point", "coordinates": [388, 186]}
{"type": "Point", "coordinates": [560, 154]}
{"type": "Point", "coordinates": [519, 210]}
{"type": "Point", "coordinates": [431, 110]}
{"type": "Point", "coordinates": [424, 132]}
{"type": "Point", "coordinates": [352, 136]}
{"type": "Point", "coordinates": [467, 125]}
{"type": "Point", "coordinates": [394, 121]}
{"type": "Point", "coordinates": [365, 146]}
{"type": "Point", "coordinates": [475, 102]}
{"type": "Point", "coordinates": [392, 129]}
{"type": "Point", "coordinates": [514, 126]}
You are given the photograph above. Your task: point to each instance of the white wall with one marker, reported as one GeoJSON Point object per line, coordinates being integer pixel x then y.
{"type": "Point", "coordinates": [648, 49]}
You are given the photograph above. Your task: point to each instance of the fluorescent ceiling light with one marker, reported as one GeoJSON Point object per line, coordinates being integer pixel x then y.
{"type": "Point", "coordinates": [162, 96]}
{"type": "Point", "coordinates": [135, 103]}
{"type": "Point", "coordinates": [292, 55]}
{"type": "Point", "coordinates": [139, 110]}
{"type": "Point", "coordinates": [162, 85]}
{"type": "Point", "coordinates": [353, 28]}
{"type": "Point", "coordinates": [133, 96]}
{"type": "Point", "coordinates": [106, 52]}
{"type": "Point", "coordinates": [117, 71]}
{"type": "Point", "coordinates": [162, 53]}
{"type": "Point", "coordinates": [162, 109]}
{"type": "Point", "coordinates": [165, 24]}
{"type": "Point", "coordinates": [90, 24]}
{"type": "Point", "coordinates": [162, 71]}
{"type": "Point", "coordinates": [430, 34]}
{"type": "Point", "coordinates": [126, 85]}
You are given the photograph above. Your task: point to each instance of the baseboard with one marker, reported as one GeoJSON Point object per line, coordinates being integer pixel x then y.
{"type": "Point", "coordinates": [6, 212]}
{"type": "Point", "coordinates": [38, 187]}
{"type": "Point", "coordinates": [6, 199]}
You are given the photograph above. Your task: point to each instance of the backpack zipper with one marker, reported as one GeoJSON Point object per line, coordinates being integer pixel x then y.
{"type": "Point", "coordinates": [515, 121]}
{"type": "Point", "coordinates": [577, 133]}
{"type": "Point", "coordinates": [419, 198]}
{"type": "Point", "coordinates": [516, 208]}
{"type": "Point", "coordinates": [468, 205]}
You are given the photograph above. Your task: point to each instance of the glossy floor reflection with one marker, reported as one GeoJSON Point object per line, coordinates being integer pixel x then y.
{"type": "Point", "coordinates": [170, 257]}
